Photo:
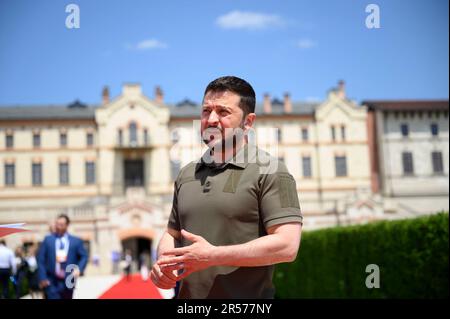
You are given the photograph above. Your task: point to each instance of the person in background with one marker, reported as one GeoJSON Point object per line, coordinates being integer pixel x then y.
{"type": "Point", "coordinates": [32, 274]}
{"type": "Point", "coordinates": [95, 260]}
{"type": "Point", "coordinates": [7, 268]}
{"type": "Point", "coordinates": [115, 259]}
{"type": "Point", "coordinates": [21, 272]}
{"type": "Point", "coordinates": [57, 252]}
{"type": "Point", "coordinates": [126, 264]}
{"type": "Point", "coordinates": [144, 260]}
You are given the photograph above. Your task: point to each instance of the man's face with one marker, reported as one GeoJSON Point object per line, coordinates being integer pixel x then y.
{"type": "Point", "coordinates": [220, 115]}
{"type": "Point", "coordinates": [61, 226]}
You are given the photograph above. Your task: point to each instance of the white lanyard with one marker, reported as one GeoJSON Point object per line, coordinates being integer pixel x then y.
{"type": "Point", "coordinates": [62, 252]}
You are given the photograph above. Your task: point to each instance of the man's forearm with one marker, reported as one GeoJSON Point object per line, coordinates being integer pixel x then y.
{"type": "Point", "coordinates": [167, 242]}
{"type": "Point", "coordinates": [280, 245]}
{"type": "Point", "coordinates": [266, 250]}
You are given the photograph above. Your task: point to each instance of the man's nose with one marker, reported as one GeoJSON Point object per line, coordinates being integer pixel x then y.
{"type": "Point", "coordinates": [213, 119]}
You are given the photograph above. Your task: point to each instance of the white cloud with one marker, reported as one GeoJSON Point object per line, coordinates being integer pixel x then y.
{"type": "Point", "coordinates": [306, 44]}
{"type": "Point", "coordinates": [249, 20]}
{"type": "Point", "coordinates": [147, 44]}
{"type": "Point", "coordinates": [151, 44]}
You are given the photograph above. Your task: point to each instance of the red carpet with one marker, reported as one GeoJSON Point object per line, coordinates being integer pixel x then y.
{"type": "Point", "coordinates": [133, 289]}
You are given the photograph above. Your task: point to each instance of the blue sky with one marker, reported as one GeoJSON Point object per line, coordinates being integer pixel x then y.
{"type": "Point", "coordinates": [302, 47]}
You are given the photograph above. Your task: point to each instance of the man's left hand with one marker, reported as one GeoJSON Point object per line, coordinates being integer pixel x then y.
{"type": "Point", "coordinates": [195, 257]}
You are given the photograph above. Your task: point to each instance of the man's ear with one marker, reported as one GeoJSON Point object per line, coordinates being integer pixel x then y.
{"type": "Point", "coordinates": [249, 120]}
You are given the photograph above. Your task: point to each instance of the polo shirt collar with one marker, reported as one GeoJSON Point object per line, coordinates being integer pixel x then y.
{"type": "Point", "coordinates": [240, 159]}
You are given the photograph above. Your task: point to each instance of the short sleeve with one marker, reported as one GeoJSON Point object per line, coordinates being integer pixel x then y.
{"type": "Point", "coordinates": [279, 202]}
{"type": "Point", "coordinates": [174, 221]}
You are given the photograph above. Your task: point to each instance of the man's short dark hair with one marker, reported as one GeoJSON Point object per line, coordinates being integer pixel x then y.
{"type": "Point", "coordinates": [238, 86]}
{"type": "Point", "coordinates": [65, 217]}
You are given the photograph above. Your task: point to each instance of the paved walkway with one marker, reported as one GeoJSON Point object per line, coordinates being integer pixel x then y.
{"type": "Point", "coordinates": [94, 287]}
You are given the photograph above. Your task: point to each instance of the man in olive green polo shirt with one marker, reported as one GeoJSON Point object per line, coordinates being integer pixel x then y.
{"type": "Point", "coordinates": [234, 215]}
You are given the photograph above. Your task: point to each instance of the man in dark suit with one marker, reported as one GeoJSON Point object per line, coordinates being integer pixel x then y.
{"type": "Point", "coordinates": [58, 253]}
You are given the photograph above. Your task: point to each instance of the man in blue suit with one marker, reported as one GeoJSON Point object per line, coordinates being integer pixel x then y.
{"type": "Point", "coordinates": [57, 253]}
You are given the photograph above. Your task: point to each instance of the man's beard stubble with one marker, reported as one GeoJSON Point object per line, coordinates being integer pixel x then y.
{"type": "Point", "coordinates": [225, 142]}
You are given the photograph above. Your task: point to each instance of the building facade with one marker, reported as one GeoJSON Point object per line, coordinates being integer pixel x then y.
{"type": "Point", "coordinates": [409, 154]}
{"type": "Point", "coordinates": [111, 167]}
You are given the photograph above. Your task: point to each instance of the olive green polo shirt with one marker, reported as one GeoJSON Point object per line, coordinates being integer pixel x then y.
{"type": "Point", "coordinates": [232, 204]}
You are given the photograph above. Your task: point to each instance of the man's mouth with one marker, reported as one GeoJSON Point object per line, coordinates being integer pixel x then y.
{"type": "Point", "coordinates": [212, 133]}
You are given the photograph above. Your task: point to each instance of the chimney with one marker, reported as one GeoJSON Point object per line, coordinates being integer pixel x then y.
{"type": "Point", "coordinates": [341, 89]}
{"type": "Point", "coordinates": [159, 95]}
{"type": "Point", "coordinates": [267, 106]}
{"type": "Point", "coordinates": [105, 95]}
{"type": "Point", "coordinates": [287, 103]}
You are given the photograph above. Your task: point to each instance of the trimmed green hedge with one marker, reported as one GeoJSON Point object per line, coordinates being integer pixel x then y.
{"type": "Point", "coordinates": [412, 256]}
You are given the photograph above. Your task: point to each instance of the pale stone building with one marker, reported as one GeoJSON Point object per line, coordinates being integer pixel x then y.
{"type": "Point", "coordinates": [111, 167]}
{"type": "Point", "coordinates": [409, 155]}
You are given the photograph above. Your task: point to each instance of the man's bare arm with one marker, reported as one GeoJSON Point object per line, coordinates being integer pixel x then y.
{"type": "Point", "coordinates": [280, 245]}
{"type": "Point", "coordinates": [167, 241]}
{"type": "Point", "coordinates": [165, 279]}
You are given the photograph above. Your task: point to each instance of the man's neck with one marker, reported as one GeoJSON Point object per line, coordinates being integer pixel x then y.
{"type": "Point", "coordinates": [226, 154]}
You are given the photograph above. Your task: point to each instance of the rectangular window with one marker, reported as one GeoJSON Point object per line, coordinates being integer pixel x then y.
{"type": "Point", "coordinates": [133, 134]}
{"type": "Point", "coordinates": [438, 165]}
{"type": "Point", "coordinates": [36, 140]}
{"type": "Point", "coordinates": [63, 139]}
{"type": "Point", "coordinates": [343, 133]}
{"type": "Point", "coordinates": [333, 133]}
{"type": "Point", "coordinates": [278, 134]}
{"type": "Point", "coordinates": [408, 165]}
{"type": "Point", "coordinates": [36, 170]}
{"type": "Point", "coordinates": [119, 137]}
{"type": "Point", "coordinates": [145, 137]}
{"type": "Point", "coordinates": [10, 174]}
{"type": "Point", "coordinates": [63, 173]}
{"type": "Point", "coordinates": [90, 173]}
{"type": "Point", "coordinates": [340, 165]}
{"type": "Point", "coordinates": [434, 129]}
{"type": "Point", "coordinates": [9, 141]}
{"type": "Point", "coordinates": [175, 136]}
{"type": "Point", "coordinates": [89, 139]}
{"type": "Point", "coordinates": [306, 165]}
{"type": "Point", "coordinates": [305, 136]}
{"type": "Point", "coordinates": [404, 128]}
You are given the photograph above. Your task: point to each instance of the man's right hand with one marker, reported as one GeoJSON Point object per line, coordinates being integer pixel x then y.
{"type": "Point", "coordinates": [163, 279]}
{"type": "Point", "coordinates": [44, 284]}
